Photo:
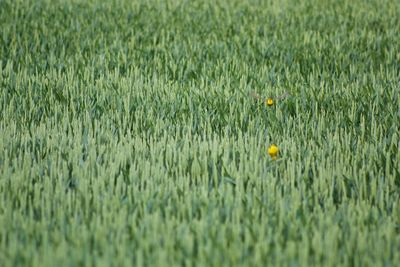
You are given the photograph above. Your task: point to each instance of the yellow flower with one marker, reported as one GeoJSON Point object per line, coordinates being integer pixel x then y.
{"type": "Point", "coordinates": [273, 151]}
{"type": "Point", "coordinates": [269, 101]}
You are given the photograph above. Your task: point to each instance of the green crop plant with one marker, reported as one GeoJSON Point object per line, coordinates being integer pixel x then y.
{"type": "Point", "coordinates": [131, 133]}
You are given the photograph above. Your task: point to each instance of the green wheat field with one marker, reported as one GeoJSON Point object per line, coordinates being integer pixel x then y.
{"type": "Point", "coordinates": [135, 133]}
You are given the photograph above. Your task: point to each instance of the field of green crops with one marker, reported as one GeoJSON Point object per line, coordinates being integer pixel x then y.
{"type": "Point", "coordinates": [135, 133]}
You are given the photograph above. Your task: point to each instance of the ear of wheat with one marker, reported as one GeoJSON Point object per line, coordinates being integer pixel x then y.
{"type": "Point", "coordinates": [257, 97]}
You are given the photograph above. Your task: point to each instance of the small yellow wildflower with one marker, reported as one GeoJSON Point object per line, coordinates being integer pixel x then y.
{"type": "Point", "coordinates": [269, 102]}
{"type": "Point", "coordinates": [273, 151]}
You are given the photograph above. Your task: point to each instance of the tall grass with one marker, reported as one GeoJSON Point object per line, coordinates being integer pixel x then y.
{"type": "Point", "coordinates": [129, 136]}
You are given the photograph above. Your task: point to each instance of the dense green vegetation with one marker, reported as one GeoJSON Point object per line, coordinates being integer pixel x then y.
{"type": "Point", "coordinates": [129, 136]}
